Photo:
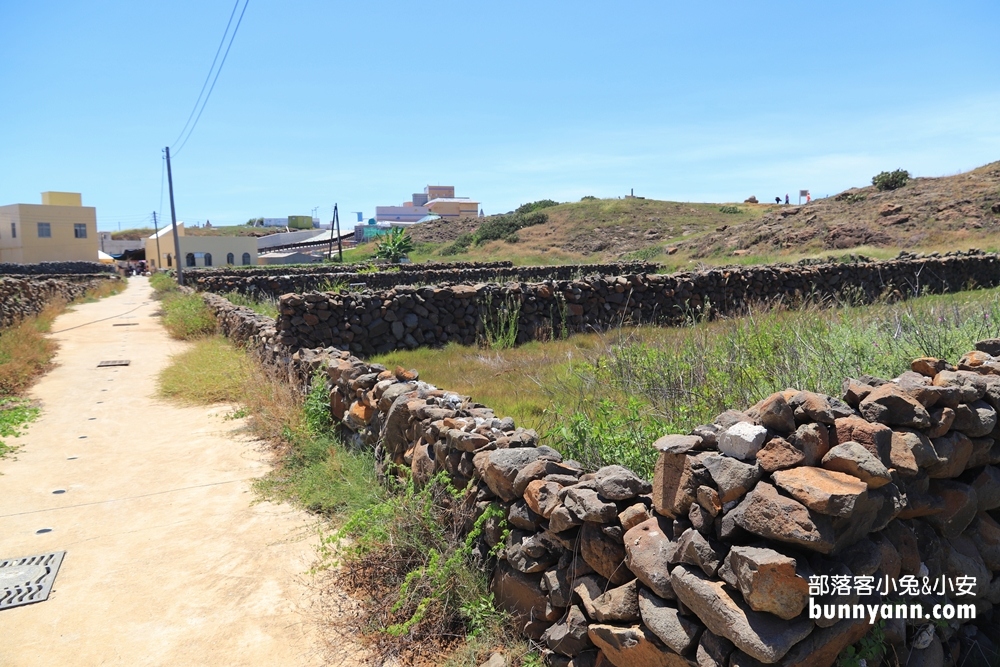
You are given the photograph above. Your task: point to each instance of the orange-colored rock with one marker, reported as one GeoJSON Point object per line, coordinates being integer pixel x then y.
{"type": "Point", "coordinates": [824, 491]}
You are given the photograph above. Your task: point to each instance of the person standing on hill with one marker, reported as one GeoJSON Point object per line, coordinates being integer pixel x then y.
{"type": "Point", "coordinates": [777, 200]}
{"type": "Point", "coordinates": [786, 199]}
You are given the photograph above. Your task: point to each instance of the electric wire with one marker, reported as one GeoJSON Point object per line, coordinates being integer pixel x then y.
{"type": "Point", "coordinates": [217, 72]}
{"type": "Point", "coordinates": [209, 75]}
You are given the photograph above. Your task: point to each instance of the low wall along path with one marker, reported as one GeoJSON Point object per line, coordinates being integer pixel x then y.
{"type": "Point", "coordinates": [774, 535]}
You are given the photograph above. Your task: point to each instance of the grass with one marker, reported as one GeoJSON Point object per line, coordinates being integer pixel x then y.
{"type": "Point", "coordinates": [25, 352]}
{"type": "Point", "coordinates": [604, 398]}
{"type": "Point", "coordinates": [15, 413]}
{"type": "Point", "coordinates": [185, 316]}
{"type": "Point", "coordinates": [267, 306]}
{"type": "Point", "coordinates": [210, 371]}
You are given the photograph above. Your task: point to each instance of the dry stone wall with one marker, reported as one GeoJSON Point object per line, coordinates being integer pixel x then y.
{"type": "Point", "coordinates": [710, 563]}
{"type": "Point", "coordinates": [22, 296]}
{"type": "Point", "coordinates": [409, 317]}
{"type": "Point", "coordinates": [359, 267]}
{"type": "Point", "coordinates": [55, 268]}
{"type": "Point", "coordinates": [276, 283]}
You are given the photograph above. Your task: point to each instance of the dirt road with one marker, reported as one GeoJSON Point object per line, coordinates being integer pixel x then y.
{"type": "Point", "coordinates": [169, 561]}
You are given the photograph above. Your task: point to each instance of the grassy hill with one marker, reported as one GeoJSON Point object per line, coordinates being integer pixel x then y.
{"type": "Point", "coordinates": [233, 230]}
{"type": "Point", "coordinates": [927, 214]}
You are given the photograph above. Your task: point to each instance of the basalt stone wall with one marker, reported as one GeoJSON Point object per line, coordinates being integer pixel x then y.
{"type": "Point", "coordinates": [275, 284]}
{"type": "Point", "coordinates": [710, 562]}
{"type": "Point", "coordinates": [55, 268]}
{"type": "Point", "coordinates": [410, 317]}
{"type": "Point", "coordinates": [341, 268]}
{"type": "Point", "coordinates": [22, 296]}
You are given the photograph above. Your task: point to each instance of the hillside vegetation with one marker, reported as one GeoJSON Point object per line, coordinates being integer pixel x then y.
{"type": "Point", "coordinates": [925, 214]}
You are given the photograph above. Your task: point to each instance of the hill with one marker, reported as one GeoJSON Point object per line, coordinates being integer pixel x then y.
{"type": "Point", "coordinates": [233, 230]}
{"type": "Point", "coordinates": [927, 214]}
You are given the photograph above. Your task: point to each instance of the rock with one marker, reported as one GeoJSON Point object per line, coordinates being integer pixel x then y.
{"type": "Point", "coordinates": [867, 511]}
{"type": "Point", "coordinates": [918, 444]}
{"type": "Point", "coordinates": [650, 548]}
{"type": "Point", "coordinates": [604, 554]}
{"type": "Point", "coordinates": [769, 581]}
{"type": "Point", "coordinates": [561, 520]}
{"type": "Point", "coordinates": [931, 656]}
{"type": "Point", "coordinates": [678, 444]}
{"type": "Point", "coordinates": [520, 515]}
{"type": "Point", "coordinates": [876, 438]}
{"type": "Point", "coordinates": [824, 491]}
{"type": "Point", "coordinates": [855, 391]}
{"type": "Point", "coordinates": [853, 459]}
{"type": "Point", "coordinates": [901, 457]}
{"type": "Point", "coordinates": [888, 404]}
{"type": "Point", "coordinates": [421, 465]}
{"type": "Point", "coordinates": [760, 635]}
{"type": "Point", "coordinates": [929, 366]}
{"type": "Point", "coordinates": [905, 542]}
{"type": "Point", "coordinates": [941, 420]}
{"type": "Point", "coordinates": [633, 515]}
{"type": "Point", "coordinates": [742, 440]}
{"type": "Point", "coordinates": [617, 604]}
{"type": "Point", "coordinates": [569, 635]}
{"type": "Point", "coordinates": [732, 478]}
{"type": "Point", "coordinates": [466, 442]}
{"type": "Point", "coordinates": [775, 414]}
{"type": "Point", "coordinates": [674, 484]}
{"type": "Point", "coordinates": [888, 559]}
{"type": "Point", "coordinates": [779, 454]}
{"type": "Point", "coordinates": [518, 593]}
{"type": "Point", "coordinates": [824, 645]}
{"type": "Point", "coordinates": [632, 646]}
{"type": "Point", "coordinates": [556, 583]}
{"type": "Point", "coordinates": [810, 406]}
{"type": "Point", "coordinates": [985, 534]}
{"type": "Point", "coordinates": [953, 452]}
{"type": "Point", "coordinates": [619, 483]}
{"type": "Point", "coordinates": [990, 346]}
{"type": "Point", "coordinates": [501, 467]}
{"type": "Point", "coordinates": [987, 487]}
{"type": "Point", "coordinates": [766, 513]}
{"type": "Point", "coordinates": [709, 498]}
{"type": "Point", "coordinates": [962, 559]}
{"type": "Point", "coordinates": [542, 497]}
{"type": "Point", "coordinates": [982, 452]}
{"type": "Point", "coordinates": [587, 589]}
{"type": "Point", "coordinates": [971, 386]}
{"type": "Point", "coordinates": [538, 470]}
{"type": "Point", "coordinates": [919, 387]}
{"type": "Point", "coordinates": [813, 440]}
{"type": "Point", "coordinates": [588, 505]}
{"type": "Point", "coordinates": [496, 660]}
{"type": "Point", "coordinates": [960, 507]}
{"type": "Point", "coordinates": [679, 633]}
{"type": "Point", "coordinates": [713, 650]}
{"type": "Point", "coordinates": [975, 419]}
{"type": "Point", "coordinates": [696, 549]}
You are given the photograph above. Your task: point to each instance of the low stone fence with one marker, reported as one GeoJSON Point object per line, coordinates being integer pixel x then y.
{"type": "Point", "coordinates": [776, 535]}
{"type": "Point", "coordinates": [56, 268]}
{"type": "Point", "coordinates": [22, 297]}
{"type": "Point", "coordinates": [368, 322]}
{"type": "Point", "coordinates": [358, 267]}
{"type": "Point", "coordinates": [275, 284]}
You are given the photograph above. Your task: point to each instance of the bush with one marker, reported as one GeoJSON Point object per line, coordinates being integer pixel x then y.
{"type": "Point", "coordinates": [505, 226]}
{"type": "Point", "coordinates": [460, 245]}
{"type": "Point", "coordinates": [731, 210]}
{"type": "Point", "coordinates": [394, 246]}
{"type": "Point", "coordinates": [890, 180]}
{"type": "Point", "coordinates": [525, 209]}
{"type": "Point", "coordinates": [186, 316]}
{"type": "Point", "coordinates": [588, 198]}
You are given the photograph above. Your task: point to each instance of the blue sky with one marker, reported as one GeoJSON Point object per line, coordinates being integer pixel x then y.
{"type": "Point", "coordinates": [364, 103]}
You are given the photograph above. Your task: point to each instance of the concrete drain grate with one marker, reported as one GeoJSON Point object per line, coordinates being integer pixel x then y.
{"type": "Point", "coordinates": [27, 580]}
{"type": "Point", "coordinates": [113, 362]}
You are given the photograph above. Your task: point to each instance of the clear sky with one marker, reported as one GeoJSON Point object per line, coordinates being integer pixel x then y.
{"type": "Point", "coordinates": [363, 103]}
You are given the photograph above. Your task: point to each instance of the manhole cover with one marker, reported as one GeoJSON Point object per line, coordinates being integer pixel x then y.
{"type": "Point", "coordinates": [113, 362]}
{"type": "Point", "coordinates": [27, 580]}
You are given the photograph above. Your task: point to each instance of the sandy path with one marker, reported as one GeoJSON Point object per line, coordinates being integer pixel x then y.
{"type": "Point", "coordinates": [168, 561]}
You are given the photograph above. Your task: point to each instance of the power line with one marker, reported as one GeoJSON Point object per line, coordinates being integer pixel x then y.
{"type": "Point", "coordinates": [217, 72]}
{"type": "Point", "coordinates": [209, 75]}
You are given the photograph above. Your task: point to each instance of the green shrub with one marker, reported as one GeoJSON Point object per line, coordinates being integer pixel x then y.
{"type": "Point", "coordinates": [459, 245]}
{"type": "Point", "coordinates": [525, 209]}
{"type": "Point", "coordinates": [890, 180]}
{"type": "Point", "coordinates": [15, 414]}
{"type": "Point", "coordinates": [186, 316]}
{"type": "Point", "coordinates": [163, 283]}
{"type": "Point", "coordinates": [394, 246]}
{"type": "Point", "coordinates": [588, 198]}
{"type": "Point", "coordinates": [266, 306]}
{"type": "Point", "coordinates": [504, 226]}
{"type": "Point", "coordinates": [731, 210]}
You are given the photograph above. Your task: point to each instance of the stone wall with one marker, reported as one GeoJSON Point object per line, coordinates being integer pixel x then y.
{"type": "Point", "coordinates": [276, 283]}
{"type": "Point", "coordinates": [409, 317]}
{"type": "Point", "coordinates": [55, 268]}
{"type": "Point", "coordinates": [244, 271]}
{"type": "Point", "coordinates": [710, 562]}
{"type": "Point", "coordinates": [22, 297]}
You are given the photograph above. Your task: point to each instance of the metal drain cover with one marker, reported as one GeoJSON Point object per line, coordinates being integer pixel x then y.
{"type": "Point", "coordinates": [29, 579]}
{"type": "Point", "coordinates": [114, 362]}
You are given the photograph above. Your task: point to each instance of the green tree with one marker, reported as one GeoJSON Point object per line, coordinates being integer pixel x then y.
{"type": "Point", "coordinates": [890, 180]}
{"type": "Point", "coordinates": [394, 246]}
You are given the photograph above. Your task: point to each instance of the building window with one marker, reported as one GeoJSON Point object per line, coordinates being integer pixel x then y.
{"type": "Point", "coordinates": [189, 258]}
{"type": "Point", "coordinates": [230, 258]}
{"type": "Point", "coordinates": [13, 230]}
{"type": "Point", "coordinates": [208, 259]}
{"type": "Point", "coordinates": [44, 230]}
{"type": "Point", "coordinates": [170, 261]}
{"type": "Point", "coordinates": [79, 230]}
{"type": "Point", "coordinates": [246, 259]}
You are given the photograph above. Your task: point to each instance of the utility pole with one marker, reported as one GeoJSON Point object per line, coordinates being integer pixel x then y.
{"type": "Point", "coordinates": [329, 248]}
{"type": "Point", "coordinates": [156, 228]}
{"type": "Point", "coordinates": [340, 248]}
{"type": "Point", "coordinates": [173, 220]}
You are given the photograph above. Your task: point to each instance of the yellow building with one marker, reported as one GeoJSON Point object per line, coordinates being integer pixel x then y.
{"type": "Point", "coordinates": [60, 229]}
{"type": "Point", "coordinates": [199, 251]}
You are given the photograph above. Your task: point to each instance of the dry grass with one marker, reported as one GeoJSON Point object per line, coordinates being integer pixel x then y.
{"type": "Point", "coordinates": [25, 352]}
{"type": "Point", "coordinates": [210, 371]}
